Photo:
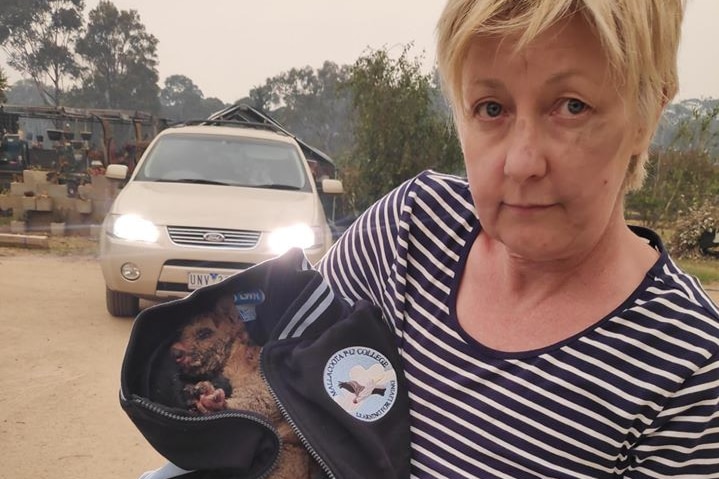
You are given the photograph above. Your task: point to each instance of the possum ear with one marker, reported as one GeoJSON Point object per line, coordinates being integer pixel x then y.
{"type": "Point", "coordinates": [226, 307]}
{"type": "Point", "coordinates": [217, 318]}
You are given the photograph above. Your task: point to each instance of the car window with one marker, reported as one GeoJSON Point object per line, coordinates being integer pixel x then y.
{"type": "Point", "coordinates": [227, 160]}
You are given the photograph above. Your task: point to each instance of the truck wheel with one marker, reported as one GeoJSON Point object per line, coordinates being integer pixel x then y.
{"type": "Point", "coordinates": [121, 304]}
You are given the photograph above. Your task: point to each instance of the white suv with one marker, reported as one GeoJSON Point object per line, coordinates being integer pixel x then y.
{"type": "Point", "coordinates": [205, 202]}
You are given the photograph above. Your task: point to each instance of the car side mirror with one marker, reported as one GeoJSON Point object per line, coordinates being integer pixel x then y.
{"type": "Point", "coordinates": [116, 172]}
{"type": "Point", "coordinates": [332, 187]}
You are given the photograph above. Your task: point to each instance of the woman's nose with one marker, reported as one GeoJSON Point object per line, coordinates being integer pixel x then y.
{"type": "Point", "coordinates": [524, 158]}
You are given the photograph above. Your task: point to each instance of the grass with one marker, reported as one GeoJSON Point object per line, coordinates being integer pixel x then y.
{"type": "Point", "coordinates": [707, 271]}
{"type": "Point", "coordinates": [77, 242]}
{"type": "Point", "coordinates": [73, 246]}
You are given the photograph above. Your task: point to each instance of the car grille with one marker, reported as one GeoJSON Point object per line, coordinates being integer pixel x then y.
{"type": "Point", "coordinates": [220, 238]}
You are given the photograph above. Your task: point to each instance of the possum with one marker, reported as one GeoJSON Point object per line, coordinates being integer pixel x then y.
{"type": "Point", "coordinates": [215, 344]}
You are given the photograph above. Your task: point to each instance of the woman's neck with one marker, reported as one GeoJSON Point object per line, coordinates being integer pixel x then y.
{"type": "Point", "coordinates": [618, 253]}
{"type": "Point", "coordinates": [512, 304]}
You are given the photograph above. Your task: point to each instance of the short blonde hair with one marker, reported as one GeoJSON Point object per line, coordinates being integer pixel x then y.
{"type": "Point", "coordinates": [640, 39]}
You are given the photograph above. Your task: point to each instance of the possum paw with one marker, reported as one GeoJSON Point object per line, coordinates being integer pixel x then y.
{"type": "Point", "coordinates": [205, 398]}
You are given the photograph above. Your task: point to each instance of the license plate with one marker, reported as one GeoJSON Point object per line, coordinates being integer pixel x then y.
{"type": "Point", "coordinates": [198, 280]}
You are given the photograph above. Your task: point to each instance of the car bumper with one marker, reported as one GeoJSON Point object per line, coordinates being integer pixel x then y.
{"type": "Point", "coordinates": [165, 267]}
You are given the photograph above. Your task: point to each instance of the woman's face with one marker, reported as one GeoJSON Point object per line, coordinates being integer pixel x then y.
{"type": "Point", "coordinates": [547, 138]}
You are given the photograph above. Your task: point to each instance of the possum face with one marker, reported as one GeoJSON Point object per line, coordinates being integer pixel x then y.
{"type": "Point", "coordinates": [204, 344]}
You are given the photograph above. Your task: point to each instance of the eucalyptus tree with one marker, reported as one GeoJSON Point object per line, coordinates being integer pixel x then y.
{"type": "Point", "coordinates": [39, 38]}
{"type": "Point", "coordinates": [398, 128]}
{"type": "Point", "coordinates": [181, 99]}
{"type": "Point", "coordinates": [311, 103]}
{"type": "Point", "coordinates": [120, 60]}
{"type": "Point", "coordinates": [683, 169]}
{"type": "Point", "coordinates": [24, 92]}
{"type": "Point", "coordinates": [3, 86]}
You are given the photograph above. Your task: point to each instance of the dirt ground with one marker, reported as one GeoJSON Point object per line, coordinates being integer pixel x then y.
{"type": "Point", "coordinates": [59, 373]}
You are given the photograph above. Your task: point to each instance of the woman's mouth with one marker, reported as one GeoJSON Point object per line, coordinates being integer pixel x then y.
{"type": "Point", "coordinates": [527, 207]}
{"type": "Point", "coordinates": [528, 210]}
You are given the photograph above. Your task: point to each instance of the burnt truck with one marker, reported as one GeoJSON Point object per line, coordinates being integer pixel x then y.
{"type": "Point", "coordinates": [13, 153]}
{"type": "Point", "coordinates": [69, 143]}
{"type": "Point", "coordinates": [13, 148]}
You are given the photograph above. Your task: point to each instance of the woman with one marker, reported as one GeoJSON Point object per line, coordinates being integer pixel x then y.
{"type": "Point", "coordinates": [541, 335]}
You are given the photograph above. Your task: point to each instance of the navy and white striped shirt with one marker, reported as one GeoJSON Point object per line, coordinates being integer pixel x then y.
{"type": "Point", "coordinates": [635, 396]}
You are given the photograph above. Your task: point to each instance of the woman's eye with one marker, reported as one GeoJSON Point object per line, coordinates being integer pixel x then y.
{"type": "Point", "coordinates": [574, 106]}
{"type": "Point", "coordinates": [489, 109]}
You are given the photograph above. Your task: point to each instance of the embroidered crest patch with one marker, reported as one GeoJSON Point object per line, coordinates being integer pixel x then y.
{"type": "Point", "coordinates": [362, 381]}
{"type": "Point", "coordinates": [245, 302]}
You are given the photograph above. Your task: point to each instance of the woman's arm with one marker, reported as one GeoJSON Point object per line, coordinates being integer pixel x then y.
{"type": "Point", "coordinates": [684, 439]}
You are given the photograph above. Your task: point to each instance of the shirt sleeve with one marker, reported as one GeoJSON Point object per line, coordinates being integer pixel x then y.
{"type": "Point", "coordinates": [360, 264]}
{"type": "Point", "coordinates": [684, 439]}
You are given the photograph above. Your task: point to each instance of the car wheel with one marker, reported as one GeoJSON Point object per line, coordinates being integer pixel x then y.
{"type": "Point", "coordinates": [121, 304]}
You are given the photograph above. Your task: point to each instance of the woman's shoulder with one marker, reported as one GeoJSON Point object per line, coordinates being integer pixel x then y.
{"type": "Point", "coordinates": [438, 191]}
{"type": "Point", "coordinates": [425, 197]}
{"type": "Point", "coordinates": [680, 303]}
{"type": "Point", "coordinates": [671, 284]}
{"type": "Point", "coordinates": [674, 292]}
{"type": "Point", "coordinates": [439, 181]}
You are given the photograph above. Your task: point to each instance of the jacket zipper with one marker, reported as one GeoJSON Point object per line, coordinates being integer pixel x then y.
{"type": "Point", "coordinates": [154, 408]}
{"type": "Point", "coordinates": [286, 415]}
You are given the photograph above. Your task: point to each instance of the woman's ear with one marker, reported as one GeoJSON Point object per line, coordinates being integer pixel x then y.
{"type": "Point", "coordinates": [647, 128]}
{"type": "Point", "coordinates": [644, 135]}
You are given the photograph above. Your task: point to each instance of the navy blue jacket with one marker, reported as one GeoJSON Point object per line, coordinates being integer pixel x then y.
{"type": "Point", "coordinates": [332, 367]}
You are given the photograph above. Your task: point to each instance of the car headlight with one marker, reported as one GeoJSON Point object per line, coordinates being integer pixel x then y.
{"type": "Point", "coordinates": [295, 236]}
{"type": "Point", "coordinates": [132, 228]}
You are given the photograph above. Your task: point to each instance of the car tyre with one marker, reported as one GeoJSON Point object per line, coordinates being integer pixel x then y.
{"type": "Point", "coordinates": [121, 304]}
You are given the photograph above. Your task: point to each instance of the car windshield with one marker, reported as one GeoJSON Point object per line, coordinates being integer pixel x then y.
{"type": "Point", "coordinates": [10, 148]}
{"type": "Point", "coordinates": [225, 161]}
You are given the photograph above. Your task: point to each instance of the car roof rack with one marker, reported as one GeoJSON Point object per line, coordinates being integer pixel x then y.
{"type": "Point", "coordinates": [243, 113]}
{"type": "Point", "coordinates": [230, 122]}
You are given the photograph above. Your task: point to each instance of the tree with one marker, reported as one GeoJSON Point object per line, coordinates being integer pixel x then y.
{"type": "Point", "coordinates": [24, 92]}
{"type": "Point", "coordinates": [683, 174]}
{"type": "Point", "coordinates": [398, 129]}
{"type": "Point", "coordinates": [262, 97]}
{"type": "Point", "coordinates": [39, 37]}
{"type": "Point", "coordinates": [3, 86]}
{"type": "Point", "coordinates": [212, 105]}
{"type": "Point", "coordinates": [181, 99]}
{"type": "Point", "coordinates": [310, 103]}
{"type": "Point", "coordinates": [120, 57]}
{"type": "Point", "coordinates": [14, 13]}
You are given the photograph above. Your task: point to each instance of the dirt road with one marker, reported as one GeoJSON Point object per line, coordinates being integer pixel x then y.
{"type": "Point", "coordinates": [59, 374]}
